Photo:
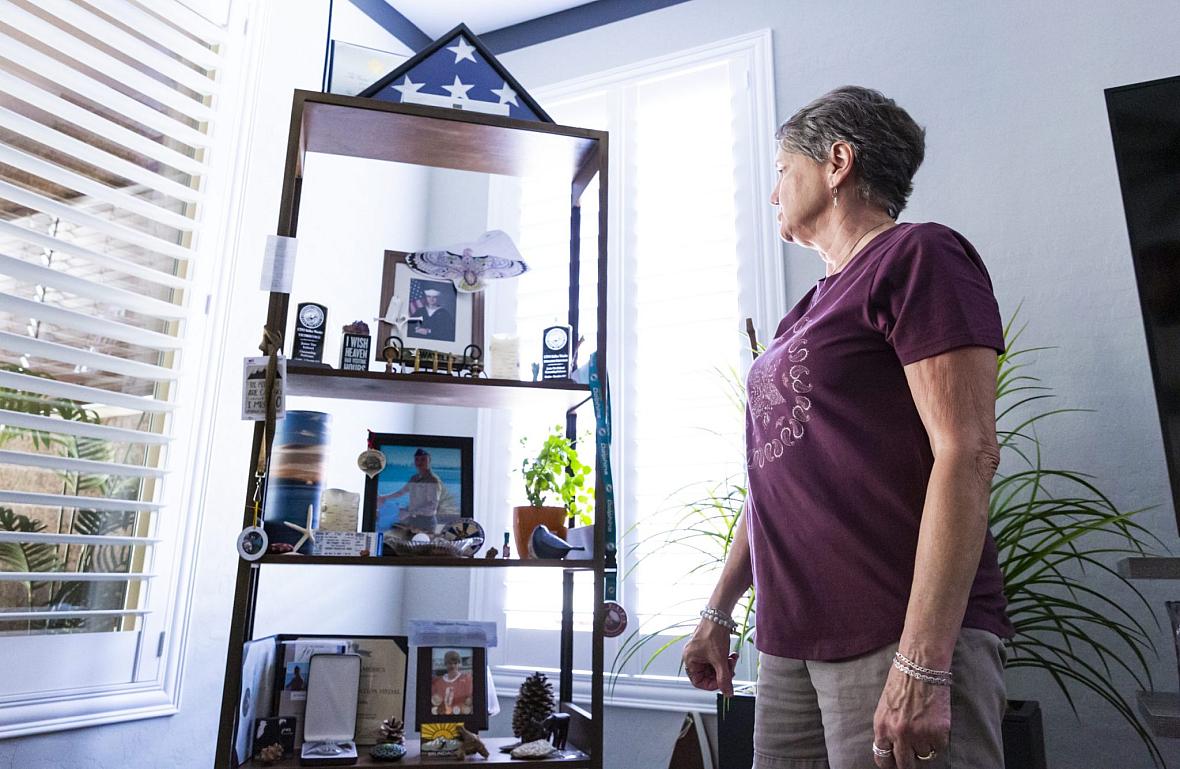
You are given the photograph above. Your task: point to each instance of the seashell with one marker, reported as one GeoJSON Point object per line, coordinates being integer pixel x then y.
{"type": "Point", "coordinates": [534, 749]}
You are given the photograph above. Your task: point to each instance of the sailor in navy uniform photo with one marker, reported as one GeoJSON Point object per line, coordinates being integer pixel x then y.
{"type": "Point", "coordinates": [434, 319]}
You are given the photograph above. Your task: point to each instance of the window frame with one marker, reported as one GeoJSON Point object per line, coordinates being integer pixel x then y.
{"type": "Point", "coordinates": [762, 279]}
{"type": "Point", "coordinates": [162, 640]}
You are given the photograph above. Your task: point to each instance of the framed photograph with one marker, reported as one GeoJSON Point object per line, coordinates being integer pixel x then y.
{"type": "Point", "coordinates": [452, 686]}
{"type": "Point", "coordinates": [353, 68]}
{"type": "Point", "coordinates": [428, 482]}
{"type": "Point", "coordinates": [438, 316]}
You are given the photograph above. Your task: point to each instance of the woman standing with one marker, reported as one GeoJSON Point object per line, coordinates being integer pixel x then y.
{"type": "Point", "coordinates": [871, 445]}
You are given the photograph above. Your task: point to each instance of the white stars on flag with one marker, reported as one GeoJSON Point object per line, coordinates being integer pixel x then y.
{"type": "Point", "coordinates": [457, 90]}
{"type": "Point", "coordinates": [462, 50]}
{"type": "Point", "coordinates": [408, 87]}
{"type": "Point", "coordinates": [506, 94]}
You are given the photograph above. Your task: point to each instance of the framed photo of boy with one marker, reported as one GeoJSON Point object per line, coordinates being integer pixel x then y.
{"type": "Point", "coordinates": [438, 316]}
{"type": "Point", "coordinates": [452, 687]}
{"type": "Point", "coordinates": [427, 483]}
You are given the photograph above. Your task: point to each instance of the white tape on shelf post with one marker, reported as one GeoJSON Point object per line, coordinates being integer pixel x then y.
{"type": "Point", "coordinates": [278, 264]}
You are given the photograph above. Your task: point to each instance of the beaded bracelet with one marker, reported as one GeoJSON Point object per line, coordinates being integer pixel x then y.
{"type": "Point", "coordinates": [720, 617]}
{"type": "Point", "coordinates": [917, 672]}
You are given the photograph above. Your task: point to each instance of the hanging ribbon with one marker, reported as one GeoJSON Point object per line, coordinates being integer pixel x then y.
{"type": "Point", "coordinates": [601, 396]}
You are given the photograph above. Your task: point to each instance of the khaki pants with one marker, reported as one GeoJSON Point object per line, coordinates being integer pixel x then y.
{"type": "Point", "coordinates": [819, 715]}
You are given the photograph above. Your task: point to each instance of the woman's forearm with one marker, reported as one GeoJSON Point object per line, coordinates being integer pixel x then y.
{"type": "Point", "coordinates": [736, 574]}
{"type": "Point", "coordinates": [950, 542]}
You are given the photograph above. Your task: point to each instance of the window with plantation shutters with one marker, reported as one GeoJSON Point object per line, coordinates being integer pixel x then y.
{"type": "Point", "coordinates": [107, 116]}
{"type": "Point", "coordinates": [694, 252]}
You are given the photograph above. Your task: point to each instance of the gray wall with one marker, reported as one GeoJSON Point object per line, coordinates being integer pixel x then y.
{"type": "Point", "coordinates": [1019, 159]}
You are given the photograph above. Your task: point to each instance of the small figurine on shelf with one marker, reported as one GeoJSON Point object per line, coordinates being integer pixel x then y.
{"type": "Point", "coordinates": [557, 729]}
{"type": "Point", "coordinates": [472, 743]}
{"type": "Point", "coordinates": [507, 547]}
{"type": "Point", "coordinates": [534, 705]}
{"type": "Point", "coordinates": [491, 554]}
{"type": "Point", "coordinates": [354, 352]}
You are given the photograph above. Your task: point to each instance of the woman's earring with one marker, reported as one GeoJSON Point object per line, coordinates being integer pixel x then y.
{"type": "Point", "coordinates": [835, 197]}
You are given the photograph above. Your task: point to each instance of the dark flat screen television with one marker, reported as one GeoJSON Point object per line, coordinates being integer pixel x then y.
{"type": "Point", "coordinates": [1145, 127]}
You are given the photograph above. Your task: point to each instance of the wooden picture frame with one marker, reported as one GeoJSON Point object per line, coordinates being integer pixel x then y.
{"type": "Point", "coordinates": [466, 325]}
{"type": "Point", "coordinates": [451, 460]}
{"type": "Point", "coordinates": [451, 695]}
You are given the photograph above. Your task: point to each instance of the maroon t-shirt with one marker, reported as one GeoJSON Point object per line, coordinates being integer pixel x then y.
{"type": "Point", "coordinates": [838, 458]}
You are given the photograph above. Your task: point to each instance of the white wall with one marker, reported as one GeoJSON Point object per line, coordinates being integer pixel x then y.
{"type": "Point", "coordinates": [1019, 159]}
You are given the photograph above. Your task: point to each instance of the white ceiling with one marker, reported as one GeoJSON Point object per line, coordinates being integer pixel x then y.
{"type": "Point", "coordinates": [434, 17]}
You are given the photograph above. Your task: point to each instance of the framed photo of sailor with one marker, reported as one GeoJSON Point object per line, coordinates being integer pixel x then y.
{"type": "Point", "coordinates": [427, 483]}
{"type": "Point", "coordinates": [427, 312]}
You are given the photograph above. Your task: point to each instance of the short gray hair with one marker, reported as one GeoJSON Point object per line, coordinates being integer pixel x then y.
{"type": "Point", "coordinates": [889, 145]}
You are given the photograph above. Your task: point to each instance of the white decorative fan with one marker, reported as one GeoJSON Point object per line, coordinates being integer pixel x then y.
{"type": "Point", "coordinates": [470, 265]}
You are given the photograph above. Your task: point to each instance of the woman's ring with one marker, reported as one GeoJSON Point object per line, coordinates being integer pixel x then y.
{"type": "Point", "coordinates": [883, 752]}
{"type": "Point", "coordinates": [926, 757]}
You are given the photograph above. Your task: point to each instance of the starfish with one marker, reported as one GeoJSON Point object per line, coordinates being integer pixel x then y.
{"type": "Point", "coordinates": [307, 531]}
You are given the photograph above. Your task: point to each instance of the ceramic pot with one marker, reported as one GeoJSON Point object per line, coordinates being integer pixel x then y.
{"type": "Point", "coordinates": [526, 518]}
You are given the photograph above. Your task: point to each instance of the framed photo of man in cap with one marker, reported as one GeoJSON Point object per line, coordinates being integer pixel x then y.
{"type": "Point", "coordinates": [428, 313]}
{"type": "Point", "coordinates": [427, 482]}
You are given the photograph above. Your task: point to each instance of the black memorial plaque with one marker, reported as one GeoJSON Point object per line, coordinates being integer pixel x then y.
{"type": "Point", "coordinates": [310, 322]}
{"type": "Point", "coordinates": [556, 349]}
{"type": "Point", "coordinates": [354, 353]}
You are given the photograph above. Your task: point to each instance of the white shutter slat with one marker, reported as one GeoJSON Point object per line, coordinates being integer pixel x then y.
{"type": "Point", "coordinates": [81, 429]}
{"type": "Point", "coordinates": [56, 140]}
{"type": "Point", "coordinates": [35, 273]}
{"type": "Point", "coordinates": [99, 540]}
{"type": "Point", "coordinates": [191, 21]}
{"type": "Point", "coordinates": [56, 37]}
{"type": "Point", "coordinates": [72, 501]}
{"type": "Point", "coordinates": [82, 393]}
{"type": "Point", "coordinates": [107, 227]}
{"type": "Point", "coordinates": [123, 41]}
{"type": "Point", "coordinates": [25, 616]}
{"type": "Point", "coordinates": [51, 244]}
{"type": "Point", "coordinates": [88, 324]}
{"type": "Point", "coordinates": [169, 36]}
{"type": "Point", "coordinates": [63, 353]}
{"type": "Point", "coordinates": [95, 189]}
{"type": "Point", "coordinates": [96, 124]}
{"type": "Point", "coordinates": [68, 77]}
{"type": "Point", "coordinates": [71, 576]}
{"type": "Point", "coordinates": [85, 466]}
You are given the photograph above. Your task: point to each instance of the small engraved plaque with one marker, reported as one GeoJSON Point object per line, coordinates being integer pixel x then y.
{"type": "Point", "coordinates": [556, 352]}
{"type": "Point", "coordinates": [310, 322]}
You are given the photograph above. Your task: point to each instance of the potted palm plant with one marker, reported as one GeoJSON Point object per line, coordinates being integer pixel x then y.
{"type": "Point", "coordinates": [1051, 527]}
{"type": "Point", "coordinates": [555, 473]}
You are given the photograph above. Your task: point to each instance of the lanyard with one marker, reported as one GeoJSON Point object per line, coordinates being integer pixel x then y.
{"type": "Point", "coordinates": [601, 396]}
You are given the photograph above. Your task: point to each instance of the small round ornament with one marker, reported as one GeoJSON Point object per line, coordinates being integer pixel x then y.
{"type": "Point", "coordinates": [252, 543]}
{"type": "Point", "coordinates": [614, 619]}
{"type": "Point", "coordinates": [372, 462]}
{"type": "Point", "coordinates": [387, 751]}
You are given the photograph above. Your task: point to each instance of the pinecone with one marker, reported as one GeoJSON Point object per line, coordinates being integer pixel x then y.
{"type": "Point", "coordinates": [393, 730]}
{"type": "Point", "coordinates": [270, 753]}
{"type": "Point", "coordinates": [534, 704]}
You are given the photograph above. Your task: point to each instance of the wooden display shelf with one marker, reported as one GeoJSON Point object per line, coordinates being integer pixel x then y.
{"type": "Point", "coordinates": [570, 758]}
{"type": "Point", "coordinates": [1149, 568]}
{"type": "Point", "coordinates": [433, 389]}
{"type": "Point", "coordinates": [424, 561]}
{"type": "Point", "coordinates": [1161, 711]}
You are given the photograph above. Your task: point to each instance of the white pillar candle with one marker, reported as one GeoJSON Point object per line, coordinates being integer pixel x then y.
{"type": "Point", "coordinates": [505, 357]}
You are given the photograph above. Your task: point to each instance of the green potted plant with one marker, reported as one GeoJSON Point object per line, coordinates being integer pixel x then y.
{"type": "Point", "coordinates": [555, 474]}
{"type": "Point", "coordinates": [1051, 526]}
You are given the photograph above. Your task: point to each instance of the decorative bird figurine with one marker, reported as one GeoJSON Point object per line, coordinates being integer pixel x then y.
{"type": "Point", "coordinates": [470, 265]}
{"type": "Point", "coordinates": [546, 544]}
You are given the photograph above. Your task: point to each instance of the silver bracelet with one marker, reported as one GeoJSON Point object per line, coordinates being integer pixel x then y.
{"type": "Point", "coordinates": [919, 673]}
{"type": "Point", "coordinates": [719, 617]}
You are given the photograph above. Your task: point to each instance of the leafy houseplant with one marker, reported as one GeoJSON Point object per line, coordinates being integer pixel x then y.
{"type": "Point", "coordinates": [1050, 526]}
{"type": "Point", "coordinates": [555, 472]}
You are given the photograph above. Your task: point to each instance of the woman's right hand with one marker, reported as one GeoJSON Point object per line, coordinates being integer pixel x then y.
{"type": "Point", "coordinates": [707, 658]}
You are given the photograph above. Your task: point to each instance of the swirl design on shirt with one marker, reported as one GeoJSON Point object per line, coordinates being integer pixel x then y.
{"type": "Point", "coordinates": [765, 397]}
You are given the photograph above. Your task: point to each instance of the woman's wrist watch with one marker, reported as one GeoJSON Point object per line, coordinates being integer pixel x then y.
{"type": "Point", "coordinates": [721, 618]}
